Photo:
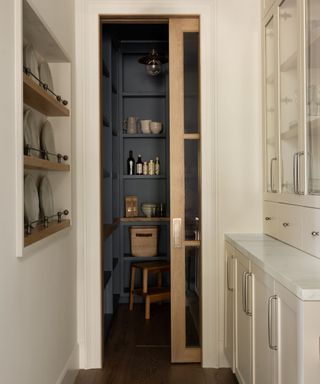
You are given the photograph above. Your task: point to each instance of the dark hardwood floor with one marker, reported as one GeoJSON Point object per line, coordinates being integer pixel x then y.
{"type": "Point", "coordinates": [138, 352]}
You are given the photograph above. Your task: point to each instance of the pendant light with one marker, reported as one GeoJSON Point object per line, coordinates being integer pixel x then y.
{"type": "Point", "coordinates": [153, 62]}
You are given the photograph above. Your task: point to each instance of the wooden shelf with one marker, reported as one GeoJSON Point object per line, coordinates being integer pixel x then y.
{"type": "Point", "coordinates": [143, 177]}
{"type": "Point", "coordinates": [144, 136]}
{"type": "Point", "coordinates": [36, 163]}
{"type": "Point", "coordinates": [108, 229]}
{"type": "Point", "coordinates": [41, 232]}
{"type": "Point", "coordinates": [37, 98]}
{"type": "Point", "coordinates": [143, 219]}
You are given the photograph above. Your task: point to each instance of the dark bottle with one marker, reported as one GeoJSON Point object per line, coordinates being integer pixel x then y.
{"type": "Point", "coordinates": [130, 164]}
{"type": "Point", "coordinates": [139, 166]}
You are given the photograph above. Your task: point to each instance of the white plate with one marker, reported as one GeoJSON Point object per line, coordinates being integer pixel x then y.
{"type": "Point", "coordinates": [31, 132]}
{"type": "Point", "coordinates": [46, 197]}
{"type": "Point", "coordinates": [47, 140]}
{"type": "Point", "coordinates": [45, 74]}
{"type": "Point", "coordinates": [31, 200]}
{"type": "Point", "coordinates": [30, 61]}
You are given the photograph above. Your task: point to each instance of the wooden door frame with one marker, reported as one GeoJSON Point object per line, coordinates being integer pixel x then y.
{"type": "Point", "coordinates": [177, 27]}
{"type": "Point", "coordinates": [88, 13]}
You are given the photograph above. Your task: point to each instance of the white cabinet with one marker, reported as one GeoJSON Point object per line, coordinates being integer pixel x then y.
{"type": "Point", "coordinates": [291, 99]}
{"type": "Point", "coordinates": [265, 329]}
{"type": "Point", "coordinates": [243, 295]}
{"type": "Point", "coordinates": [270, 214]}
{"type": "Point", "coordinates": [290, 362]}
{"type": "Point", "coordinates": [275, 336]}
{"type": "Point", "coordinates": [290, 228]}
{"type": "Point", "coordinates": [229, 336]}
{"type": "Point", "coordinates": [311, 231]}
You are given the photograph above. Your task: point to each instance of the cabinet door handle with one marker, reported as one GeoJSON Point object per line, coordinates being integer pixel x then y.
{"type": "Point", "coordinates": [315, 233]}
{"type": "Point", "coordinates": [228, 277]}
{"type": "Point", "coordinates": [298, 173]}
{"type": "Point", "coordinates": [267, 218]}
{"type": "Point", "coordinates": [244, 295]}
{"type": "Point", "coordinates": [176, 232]}
{"type": "Point", "coordinates": [271, 174]}
{"type": "Point", "coordinates": [285, 225]}
{"type": "Point", "coordinates": [270, 327]}
{"type": "Point", "coordinates": [248, 275]}
{"type": "Point", "coordinates": [295, 170]}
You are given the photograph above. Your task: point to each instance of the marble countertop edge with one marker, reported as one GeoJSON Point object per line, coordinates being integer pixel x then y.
{"type": "Point", "coordinates": [272, 255]}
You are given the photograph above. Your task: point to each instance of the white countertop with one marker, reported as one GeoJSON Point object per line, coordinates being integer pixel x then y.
{"type": "Point", "coordinates": [298, 271]}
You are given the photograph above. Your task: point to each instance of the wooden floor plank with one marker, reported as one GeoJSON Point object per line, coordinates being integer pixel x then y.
{"type": "Point", "coordinates": [138, 352]}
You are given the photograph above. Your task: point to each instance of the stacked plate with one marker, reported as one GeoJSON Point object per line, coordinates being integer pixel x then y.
{"type": "Point", "coordinates": [37, 201]}
{"type": "Point", "coordinates": [40, 70]}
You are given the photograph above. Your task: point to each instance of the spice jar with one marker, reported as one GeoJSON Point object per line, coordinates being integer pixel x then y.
{"type": "Point", "coordinates": [151, 168]}
{"type": "Point", "coordinates": [145, 168]}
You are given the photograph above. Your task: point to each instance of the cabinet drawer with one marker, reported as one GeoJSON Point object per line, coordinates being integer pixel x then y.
{"type": "Point", "coordinates": [270, 218]}
{"type": "Point", "coordinates": [311, 231]}
{"type": "Point", "coordinates": [290, 227]}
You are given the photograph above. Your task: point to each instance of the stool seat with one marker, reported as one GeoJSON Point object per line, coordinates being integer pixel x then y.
{"type": "Point", "coordinates": [151, 294]}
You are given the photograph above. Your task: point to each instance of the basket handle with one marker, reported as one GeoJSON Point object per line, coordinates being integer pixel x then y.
{"type": "Point", "coordinates": [144, 235]}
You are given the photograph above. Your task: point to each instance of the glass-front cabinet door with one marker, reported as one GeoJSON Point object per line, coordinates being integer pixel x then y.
{"type": "Point", "coordinates": [185, 179]}
{"type": "Point", "coordinates": [291, 139]}
{"type": "Point", "coordinates": [313, 95]}
{"type": "Point", "coordinates": [270, 113]}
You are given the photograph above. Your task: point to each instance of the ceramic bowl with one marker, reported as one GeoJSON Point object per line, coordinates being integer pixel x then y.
{"type": "Point", "coordinates": [145, 126]}
{"type": "Point", "coordinates": [148, 209]}
{"type": "Point", "coordinates": [156, 127]}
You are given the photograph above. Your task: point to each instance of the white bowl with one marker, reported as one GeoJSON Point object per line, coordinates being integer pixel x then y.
{"type": "Point", "coordinates": [148, 209]}
{"type": "Point", "coordinates": [156, 127]}
{"type": "Point", "coordinates": [145, 126]}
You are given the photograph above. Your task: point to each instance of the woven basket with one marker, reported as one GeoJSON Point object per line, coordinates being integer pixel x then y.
{"type": "Point", "coordinates": [144, 241]}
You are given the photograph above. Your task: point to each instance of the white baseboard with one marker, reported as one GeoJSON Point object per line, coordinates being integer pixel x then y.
{"type": "Point", "coordinates": [71, 368]}
{"type": "Point", "coordinates": [223, 361]}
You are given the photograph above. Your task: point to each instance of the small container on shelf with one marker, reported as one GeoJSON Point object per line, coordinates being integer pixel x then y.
{"type": "Point", "coordinates": [144, 241]}
{"type": "Point", "coordinates": [131, 206]}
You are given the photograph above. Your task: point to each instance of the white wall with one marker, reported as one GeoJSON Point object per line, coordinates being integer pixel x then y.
{"type": "Point", "coordinates": [38, 334]}
{"type": "Point", "coordinates": [239, 125]}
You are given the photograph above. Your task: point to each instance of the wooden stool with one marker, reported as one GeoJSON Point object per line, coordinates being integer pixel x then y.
{"type": "Point", "coordinates": [151, 294]}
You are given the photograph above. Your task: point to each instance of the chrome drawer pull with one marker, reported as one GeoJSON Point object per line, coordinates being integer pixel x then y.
{"type": "Point", "coordinates": [270, 327]}
{"type": "Point", "coordinates": [267, 218]}
{"type": "Point", "coordinates": [315, 233]}
{"type": "Point", "coordinates": [285, 225]}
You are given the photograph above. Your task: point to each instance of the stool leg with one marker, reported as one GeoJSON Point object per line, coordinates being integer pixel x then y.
{"type": "Point", "coordinates": [147, 311]}
{"type": "Point", "coordinates": [145, 280]}
{"type": "Point", "coordinates": [133, 277]}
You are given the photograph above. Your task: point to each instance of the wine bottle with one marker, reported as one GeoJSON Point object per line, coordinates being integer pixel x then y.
{"type": "Point", "coordinates": [130, 164]}
{"type": "Point", "coordinates": [139, 166]}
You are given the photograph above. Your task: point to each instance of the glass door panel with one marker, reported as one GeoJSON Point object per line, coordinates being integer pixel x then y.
{"type": "Point", "coordinates": [271, 136]}
{"type": "Point", "coordinates": [313, 94]}
{"type": "Point", "coordinates": [185, 189]}
{"type": "Point", "coordinates": [191, 81]}
{"type": "Point", "coordinates": [289, 96]}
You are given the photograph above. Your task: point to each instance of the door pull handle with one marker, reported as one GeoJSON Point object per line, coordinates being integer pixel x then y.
{"type": "Point", "coordinates": [176, 232]}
